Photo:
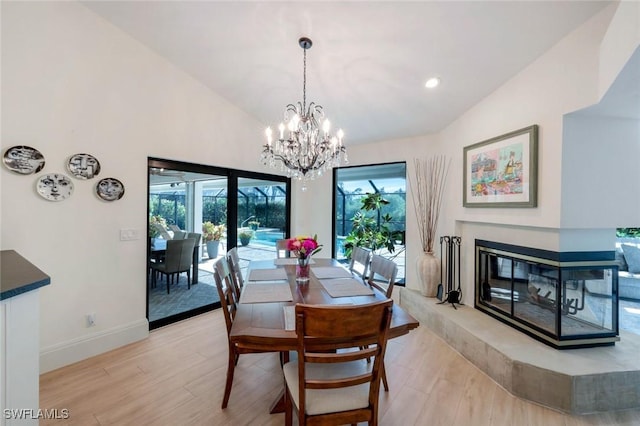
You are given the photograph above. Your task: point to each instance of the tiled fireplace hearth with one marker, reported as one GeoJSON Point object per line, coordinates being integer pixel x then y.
{"type": "Point", "coordinates": [577, 381]}
{"type": "Point", "coordinates": [545, 294]}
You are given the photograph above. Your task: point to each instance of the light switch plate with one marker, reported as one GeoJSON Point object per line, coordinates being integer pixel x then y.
{"type": "Point", "coordinates": [129, 234]}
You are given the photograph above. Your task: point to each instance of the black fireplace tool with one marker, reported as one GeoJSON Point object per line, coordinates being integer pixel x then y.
{"type": "Point", "coordinates": [450, 261]}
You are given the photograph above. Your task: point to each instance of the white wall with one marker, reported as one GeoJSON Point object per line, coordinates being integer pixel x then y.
{"type": "Point", "coordinates": [72, 83]}
{"type": "Point", "coordinates": [600, 176]}
{"type": "Point", "coordinates": [621, 39]}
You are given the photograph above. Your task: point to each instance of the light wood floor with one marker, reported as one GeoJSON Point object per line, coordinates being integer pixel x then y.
{"type": "Point", "coordinates": [177, 375]}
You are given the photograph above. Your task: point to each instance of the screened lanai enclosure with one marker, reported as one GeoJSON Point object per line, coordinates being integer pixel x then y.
{"type": "Point", "coordinates": [382, 186]}
{"type": "Point", "coordinates": [240, 209]}
{"type": "Point", "coordinates": [261, 206]}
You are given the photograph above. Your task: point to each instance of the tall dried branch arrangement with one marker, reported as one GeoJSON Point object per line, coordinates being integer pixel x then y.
{"type": "Point", "coordinates": [427, 191]}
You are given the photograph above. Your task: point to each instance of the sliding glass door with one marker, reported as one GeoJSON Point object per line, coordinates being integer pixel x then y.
{"type": "Point", "coordinates": [262, 217]}
{"type": "Point", "coordinates": [218, 208]}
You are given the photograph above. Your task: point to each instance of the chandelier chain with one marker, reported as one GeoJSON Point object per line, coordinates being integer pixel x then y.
{"type": "Point", "coordinates": [304, 81]}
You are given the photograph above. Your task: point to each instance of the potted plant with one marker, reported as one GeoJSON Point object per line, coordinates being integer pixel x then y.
{"type": "Point", "coordinates": [245, 236]}
{"type": "Point", "coordinates": [253, 224]}
{"type": "Point", "coordinates": [211, 234]}
{"type": "Point", "coordinates": [156, 224]}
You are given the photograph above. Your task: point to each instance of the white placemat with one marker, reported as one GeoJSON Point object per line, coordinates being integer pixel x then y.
{"type": "Point", "coordinates": [331, 272]}
{"type": "Point", "coordinates": [345, 287]}
{"type": "Point", "coordinates": [267, 274]}
{"type": "Point", "coordinates": [289, 317]}
{"type": "Point", "coordinates": [266, 292]}
{"type": "Point", "coordinates": [289, 261]}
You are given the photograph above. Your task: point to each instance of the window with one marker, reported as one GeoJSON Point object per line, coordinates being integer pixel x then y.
{"type": "Point", "coordinates": [351, 186]}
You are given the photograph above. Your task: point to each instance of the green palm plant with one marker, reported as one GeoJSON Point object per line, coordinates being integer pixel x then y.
{"type": "Point", "coordinates": [371, 228]}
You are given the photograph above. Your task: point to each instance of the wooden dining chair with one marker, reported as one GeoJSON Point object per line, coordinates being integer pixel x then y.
{"type": "Point", "coordinates": [331, 381]}
{"type": "Point", "coordinates": [360, 259]}
{"type": "Point", "coordinates": [282, 248]}
{"type": "Point", "coordinates": [382, 274]}
{"type": "Point", "coordinates": [177, 259]}
{"type": "Point", "coordinates": [236, 272]}
{"type": "Point", "coordinates": [382, 277]}
{"type": "Point", "coordinates": [228, 302]}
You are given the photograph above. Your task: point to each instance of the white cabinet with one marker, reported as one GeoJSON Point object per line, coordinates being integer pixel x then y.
{"type": "Point", "coordinates": [19, 339]}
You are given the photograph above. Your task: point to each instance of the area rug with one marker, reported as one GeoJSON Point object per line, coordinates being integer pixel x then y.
{"type": "Point", "coordinates": [181, 299]}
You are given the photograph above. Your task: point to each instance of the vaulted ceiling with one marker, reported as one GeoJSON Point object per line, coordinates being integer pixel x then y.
{"type": "Point", "coordinates": [369, 60]}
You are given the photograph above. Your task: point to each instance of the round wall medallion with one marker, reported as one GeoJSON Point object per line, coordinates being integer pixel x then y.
{"type": "Point", "coordinates": [83, 166]}
{"type": "Point", "coordinates": [23, 160]}
{"type": "Point", "coordinates": [54, 186]}
{"type": "Point", "coordinates": [109, 189]}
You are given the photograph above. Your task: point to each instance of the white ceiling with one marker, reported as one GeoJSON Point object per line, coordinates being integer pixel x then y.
{"type": "Point", "coordinates": [369, 60]}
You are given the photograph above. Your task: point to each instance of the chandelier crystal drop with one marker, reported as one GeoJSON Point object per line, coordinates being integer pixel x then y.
{"type": "Point", "coordinates": [304, 147]}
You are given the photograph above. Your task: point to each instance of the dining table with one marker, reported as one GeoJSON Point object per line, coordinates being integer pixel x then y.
{"type": "Point", "coordinates": [265, 315]}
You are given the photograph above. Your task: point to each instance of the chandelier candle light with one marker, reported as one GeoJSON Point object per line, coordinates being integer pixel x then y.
{"type": "Point", "coordinates": [303, 149]}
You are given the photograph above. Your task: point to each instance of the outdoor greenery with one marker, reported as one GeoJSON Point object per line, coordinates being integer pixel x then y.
{"type": "Point", "coordinates": [346, 210]}
{"type": "Point", "coordinates": [371, 227]}
{"type": "Point", "coordinates": [628, 232]}
{"type": "Point", "coordinates": [170, 207]}
{"type": "Point", "coordinates": [268, 210]}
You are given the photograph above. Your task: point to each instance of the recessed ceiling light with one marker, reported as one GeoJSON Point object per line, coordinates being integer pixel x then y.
{"type": "Point", "coordinates": [432, 82]}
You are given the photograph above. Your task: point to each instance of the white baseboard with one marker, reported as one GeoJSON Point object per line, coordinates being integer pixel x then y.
{"type": "Point", "coordinates": [75, 350]}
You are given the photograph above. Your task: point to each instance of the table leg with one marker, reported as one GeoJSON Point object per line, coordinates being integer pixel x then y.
{"type": "Point", "coordinates": [278, 405]}
{"type": "Point", "coordinates": [194, 266]}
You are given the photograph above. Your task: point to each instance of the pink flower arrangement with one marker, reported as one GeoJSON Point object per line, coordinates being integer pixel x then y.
{"type": "Point", "coordinates": [303, 247]}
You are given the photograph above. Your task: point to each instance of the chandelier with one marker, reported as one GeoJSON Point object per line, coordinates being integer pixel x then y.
{"type": "Point", "coordinates": [305, 147]}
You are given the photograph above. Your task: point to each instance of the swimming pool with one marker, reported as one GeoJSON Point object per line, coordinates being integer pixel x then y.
{"type": "Point", "coordinates": [266, 236]}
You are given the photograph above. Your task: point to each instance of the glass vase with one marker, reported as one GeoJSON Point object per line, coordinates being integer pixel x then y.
{"type": "Point", "coordinates": [302, 269]}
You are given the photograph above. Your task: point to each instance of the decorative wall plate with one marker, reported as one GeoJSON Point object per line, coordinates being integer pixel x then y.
{"type": "Point", "coordinates": [83, 166]}
{"type": "Point", "coordinates": [109, 189]}
{"type": "Point", "coordinates": [54, 186]}
{"type": "Point", "coordinates": [23, 160]}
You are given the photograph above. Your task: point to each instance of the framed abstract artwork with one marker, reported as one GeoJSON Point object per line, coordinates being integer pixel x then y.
{"type": "Point", "coordinates": [502, 171]}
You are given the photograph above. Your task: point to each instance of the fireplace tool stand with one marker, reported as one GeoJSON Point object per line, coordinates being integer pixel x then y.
{"type": "Point", "coordinates": [450, 271]}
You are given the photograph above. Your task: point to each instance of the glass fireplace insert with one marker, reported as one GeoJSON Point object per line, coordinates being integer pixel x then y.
{"type": "Point", "coordinates": [546, 294]}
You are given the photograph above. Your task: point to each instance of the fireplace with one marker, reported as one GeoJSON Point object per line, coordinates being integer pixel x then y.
{"type": "Point", "coordinates": [546, 294]}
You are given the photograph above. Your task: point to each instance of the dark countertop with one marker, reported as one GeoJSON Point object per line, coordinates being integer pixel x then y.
{"type": "Point", "coordinates": [18, 275]}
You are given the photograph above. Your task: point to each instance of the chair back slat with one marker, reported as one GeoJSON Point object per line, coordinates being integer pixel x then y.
{"type": "Point", "coordinates": [236, 272]}
{"type": "Point", "coordinates": [360, 259]}
{"type": "Point", "coordinates": [382, 274]}
{"type": "Point", "coordinates": [224, 284]}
